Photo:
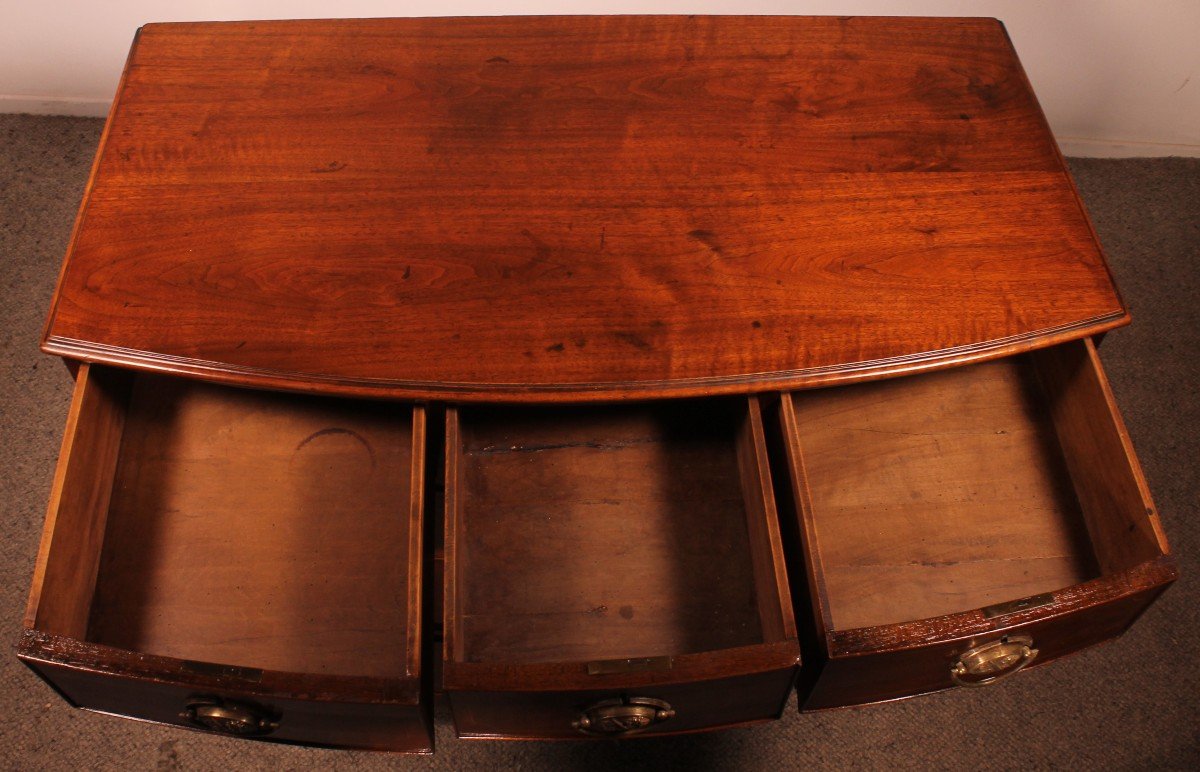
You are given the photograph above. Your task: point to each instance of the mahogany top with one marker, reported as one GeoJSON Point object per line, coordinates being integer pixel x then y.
{"type": "Point", "coordinates": [575, 207]}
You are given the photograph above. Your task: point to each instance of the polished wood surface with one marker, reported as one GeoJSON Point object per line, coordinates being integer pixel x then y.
{"type": "Point", "coordinates": [1012, 484]}
{"type": "Point", "coordinates": [449, 212]}
{"type": "Point", "coordinates": [575, 208]}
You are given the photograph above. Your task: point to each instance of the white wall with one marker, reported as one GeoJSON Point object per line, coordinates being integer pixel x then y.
{"type": "Point", "coordinates": [1116, 77]}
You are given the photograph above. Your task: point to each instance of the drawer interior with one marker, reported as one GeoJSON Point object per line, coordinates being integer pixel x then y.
{"type": "Point", "coordinates": [596, 533]}
{"type": "Point", "coordinates": [247, 528]}
{"type": "Point", "coordinates": [956, 490]}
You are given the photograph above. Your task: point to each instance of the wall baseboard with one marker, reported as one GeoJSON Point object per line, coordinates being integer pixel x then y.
{"type": "Point", "coordinates": [1071, 146]}
{"type": "Point", "coordinates": [1123, 148]}
{"type": "Point", "coordinates": [49, 105]}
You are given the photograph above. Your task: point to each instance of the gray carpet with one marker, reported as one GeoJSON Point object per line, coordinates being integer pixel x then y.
{"type": "Point", "coordinates": [1125, 705]}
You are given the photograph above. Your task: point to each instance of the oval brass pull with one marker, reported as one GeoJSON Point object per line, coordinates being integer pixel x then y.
{"type": "Point", "coordinates": [988, 663]}
{"type": "Point", "coordinates": [228, 717]}
{"type": "Point", "coordinates": [623, 716]}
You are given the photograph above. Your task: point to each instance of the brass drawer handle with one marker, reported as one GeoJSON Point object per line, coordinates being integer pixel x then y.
{"type": "Point", "coordinates": [623, 716]}
{"type": "Point", "coordinates": [228, 717]}
{"type": "Point", "coordinates": [990, 662]}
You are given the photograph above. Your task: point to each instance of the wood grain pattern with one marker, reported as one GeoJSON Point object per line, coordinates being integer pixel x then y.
{"type": "Point", "coordinates": [948, 489]}
{"type": "Point", "coordinates": [578, 535]}
{"type": "Point", "coordinates": [263, 531]}
{"type": "Point", "coordinates": [605, 534]}
{"type": "Point", "coordinates": [69, 557]}
{"type": "Point", "coordinates": [1108, 479]}
{"type": "Point", "coordinates": [575, 208]}
{"type": "Point", "coordinates": [771, 587]}
{"type": "Point", "coordinates": [1054, 410]}
{"type": "Point", "coordinates": [258, 547]}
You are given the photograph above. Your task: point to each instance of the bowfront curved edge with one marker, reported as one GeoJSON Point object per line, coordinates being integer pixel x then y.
{"type": "Point", "coordinates": [611, 391]}
{"type": "Point", "coordinates": [352, 712]}
{"type": "Point", "coordinates": [885, 663]}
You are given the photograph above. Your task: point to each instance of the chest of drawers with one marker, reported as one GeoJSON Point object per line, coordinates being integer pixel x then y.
{"type": "Point", "coordinates": [607, 376]}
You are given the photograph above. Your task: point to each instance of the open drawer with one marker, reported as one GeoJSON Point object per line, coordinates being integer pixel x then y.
{"type": "Point", "coordinates": [613, 570]}
{"type": "Point", "coordinates": [237, 561]}
{"type": "Point", "coordinates": [959, 526]}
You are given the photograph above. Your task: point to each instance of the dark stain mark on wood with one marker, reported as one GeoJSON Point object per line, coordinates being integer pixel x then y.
{"type": "Point", "coordinates": [763, 56]}
{"type": "Point", "coordinates": [334, 166]}
{"type": "Point", "coordinates": [928, 231]}
{"type": "Point", "coordinates": [626, 612]}
{"type": "Point", "coordinates": [756, 324]}
{"type": "Point", "coordinates": [633, 339]}
{"type": "Point", "coordinates": [540, 248]}
{"type": "Point", "coordinates": [407, 272]}
{"type": "Point", "coordinates": [497, 60]}
{"type": "Point", "coordinates": [988, 93]}
{"type": "Point", "coordinates": [708, 239]}
{"type": "Point", "coordinates": [557, 347]}
{"type": "Point", "coordinates": [788, 103]}
{"type": "Point", "coordinates": [374, 69]}
{"type": "Point", "coordinates": [339, 430]}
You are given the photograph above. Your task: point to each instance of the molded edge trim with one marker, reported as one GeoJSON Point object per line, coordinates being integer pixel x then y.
{"type": "Point", "coordinates": [108, 662]}
{"type": "Point", "coordinates": [606, 391]}
{"type": "Point", "coordinates": [865, 641]}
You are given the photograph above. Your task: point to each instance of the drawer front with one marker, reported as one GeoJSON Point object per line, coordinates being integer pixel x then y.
{"type": "Point", "coordinates": [635, 712]}
{"type": "Point", "coordinates": [854, 678]}
{"type": "Point", "coordinates": [338, 724]}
